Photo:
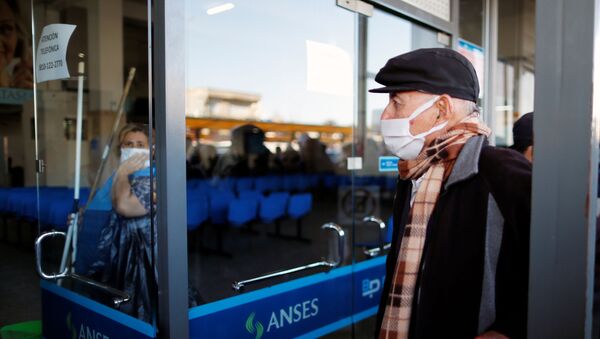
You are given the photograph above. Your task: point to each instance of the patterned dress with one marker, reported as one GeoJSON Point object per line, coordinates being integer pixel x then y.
{"type": "Point", "coordinates": [126, 261]}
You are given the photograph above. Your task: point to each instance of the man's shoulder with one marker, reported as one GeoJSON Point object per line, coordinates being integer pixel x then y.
{"type": "Point", "coordinates": [497, 162]}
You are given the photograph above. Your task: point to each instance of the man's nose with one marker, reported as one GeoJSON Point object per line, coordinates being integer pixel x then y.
{"type": "Point", "coordinates": [387, 112]}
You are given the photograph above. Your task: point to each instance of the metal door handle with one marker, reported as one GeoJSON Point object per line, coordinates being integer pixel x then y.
{"type": "Point", "coordinates": [38, 256]}
{"type": "Point", "coordinates": [341, 237]}
{"type": "Point", "coordinates": [373, 252]}
{"type": "Point", "coordinates": [119, 297]}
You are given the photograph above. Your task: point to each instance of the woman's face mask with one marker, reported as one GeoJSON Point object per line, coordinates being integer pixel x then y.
{"type": "Point", "coordinates": [398, 139]}
{"type": "Point", "coordinates": [128, 152]}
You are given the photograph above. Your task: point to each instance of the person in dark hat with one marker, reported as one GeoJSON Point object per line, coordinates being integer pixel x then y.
{"type": "Point", "coordinates": [458, 263]}
{"type": "Point", "coordinates": [523, 136]}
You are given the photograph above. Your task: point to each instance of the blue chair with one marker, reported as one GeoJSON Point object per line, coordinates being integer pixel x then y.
{"type": "Point", "coordinates": [289, 182]}
{"type": "Point", "coordinates": [314, 180]}
{"type": "Point", "coordinates": [218, 206]}
{"type": "Point", "coordinates": [243, 210]}
{"type": "Point", "coordinates": [244, 184]}
{"type": "Point", "coordinates": [344, 180]}
{"type": "Point", "coordinates": [330, 181]}
{"type": "Point", "coordinates": [275, 183]}
{"type": "Point", "coordinates": [197, 214]}
{"type": "Point", "coordinates": [218, 210]}
{"type": "Point", "coordinates": [261, 184]}
{"type": "Point", "coordinates": [272, 209]}
{"type": "Point", "coordinates": [299, 206]}
{"type": "Point", "coordinates": [302, 183]}
{"type": "Point", "coordinates": [251, 194]}
{"type": "Point", "coordinates": [197, 211]}
{"type": "Point", "coordinates": [225, 184]}
{"type": "Point", "coordinates": [273, 206]}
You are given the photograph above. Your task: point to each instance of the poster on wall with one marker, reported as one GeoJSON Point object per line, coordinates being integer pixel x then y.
{"type": "Point", "coordinates": [475, 55]}
{"type": "Point", "coordinates": [16, 67]}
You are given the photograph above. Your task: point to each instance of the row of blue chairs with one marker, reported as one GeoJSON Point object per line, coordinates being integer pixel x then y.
{"type": "Point", "coordinates": [223, 208]}
{"type": "Point", "coordinates": [290, 183]}
{"type": "Point", "coordinates": [55, 204]}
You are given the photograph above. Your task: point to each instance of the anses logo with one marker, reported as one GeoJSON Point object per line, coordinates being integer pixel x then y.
{"type": "Point", "coordinates": [254, 328]}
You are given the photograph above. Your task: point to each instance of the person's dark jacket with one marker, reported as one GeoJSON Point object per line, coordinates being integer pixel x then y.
{"type": "Point", "coordinates": [474, 269]}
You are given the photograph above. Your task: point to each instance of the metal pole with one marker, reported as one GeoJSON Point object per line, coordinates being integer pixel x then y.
{"type": "Point", "coordinates": [71, 240]}
{"type": "Point", "coordinates": [169, 88]}
{"type": "Point", "coordinates": [565, 170]}
{"type": "Point", "coordinates": [490, 43]}
{"type": "Point", "coordinates": [111, 138]}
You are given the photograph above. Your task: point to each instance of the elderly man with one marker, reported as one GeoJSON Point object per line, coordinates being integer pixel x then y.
{"type": "Point", "coordinates": [458, 264]}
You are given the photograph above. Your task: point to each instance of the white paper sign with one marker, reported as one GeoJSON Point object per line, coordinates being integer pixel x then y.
{"type": "Point", "coordinates": [354, 163]}
{"type": "Point", "coordinates": [51, 56]}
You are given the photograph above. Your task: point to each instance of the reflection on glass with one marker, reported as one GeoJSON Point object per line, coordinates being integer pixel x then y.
{"type": "Point", "coordinates": [269, 112]}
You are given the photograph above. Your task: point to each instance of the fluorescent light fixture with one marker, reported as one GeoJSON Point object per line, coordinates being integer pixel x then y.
{"type": "Point", "coordinates": [220, 9]}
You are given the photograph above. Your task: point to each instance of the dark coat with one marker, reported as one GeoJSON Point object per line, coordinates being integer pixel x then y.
{"type": "Point", "coordinates": [474, 269]}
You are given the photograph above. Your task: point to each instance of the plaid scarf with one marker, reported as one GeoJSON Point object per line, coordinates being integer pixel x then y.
{"type": "Point", "coordinates": [435, 164]}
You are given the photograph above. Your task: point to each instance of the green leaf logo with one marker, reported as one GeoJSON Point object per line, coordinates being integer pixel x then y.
{"type": "Point", "coordinates": [254, 327]}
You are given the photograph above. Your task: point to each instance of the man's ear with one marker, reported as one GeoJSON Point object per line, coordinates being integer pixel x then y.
{"type": "Point", "coordinates": [445, 106]}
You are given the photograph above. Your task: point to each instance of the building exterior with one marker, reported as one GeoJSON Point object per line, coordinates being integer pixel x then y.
{"type": "Point", "coordinates": [264, 105]}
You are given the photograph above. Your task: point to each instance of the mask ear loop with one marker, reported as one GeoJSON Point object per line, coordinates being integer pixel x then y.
{"type": "Point", "coordinates": [423, 107]}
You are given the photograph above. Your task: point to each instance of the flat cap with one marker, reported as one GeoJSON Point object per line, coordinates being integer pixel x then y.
{"type": "Point", "coordinates": [431, 70]}
{"type": "Point", "coordinates": [523, 131]}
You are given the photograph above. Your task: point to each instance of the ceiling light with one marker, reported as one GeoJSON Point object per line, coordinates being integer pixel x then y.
{"type": "Point", "coordinates": [220, 9]}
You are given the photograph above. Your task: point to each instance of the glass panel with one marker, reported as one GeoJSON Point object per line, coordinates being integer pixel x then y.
{"type": "Point", "coordinates": [92, 127]}
{"type": "Point", "coordinates": [267, 113]}
{"type": "Point", "coordinates": [471, 21]}
{"type": "Point", "coordinates": [375, 187]}
{"type": "Point", "coordinates": [20, 287]}
{"type": "Point", "coordinates": [515, 68]}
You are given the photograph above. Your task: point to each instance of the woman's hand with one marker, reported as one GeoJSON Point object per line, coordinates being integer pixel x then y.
{"type": "Point", "coordinates": [124, 201]}
{"type": "Point", "coordinates": [133, 164]}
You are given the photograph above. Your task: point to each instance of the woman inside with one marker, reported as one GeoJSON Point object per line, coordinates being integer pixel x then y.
{"type": "Point", "coordinates": [127, 246]}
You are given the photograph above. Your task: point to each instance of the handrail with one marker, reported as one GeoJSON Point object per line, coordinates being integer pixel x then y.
{"type": "Point", "coordinates": [375, 251]}
{"type": "Point", "coordinates": [341, 235]}
{"type": "Point", "coordinates": [119, 297]}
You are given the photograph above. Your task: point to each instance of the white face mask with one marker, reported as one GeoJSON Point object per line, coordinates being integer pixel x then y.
{"type": "Point", "coordinates": [398, 139]}
{"type": "Point", "coordinates": [127, 153]}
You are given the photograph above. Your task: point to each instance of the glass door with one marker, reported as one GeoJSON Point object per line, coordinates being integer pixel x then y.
{"type": "Point", "coordinates": [375, 170]}
{"type": "Point", "coordinates": [95, 207]}
{"type": "Point", "coordinates": [269, 108]}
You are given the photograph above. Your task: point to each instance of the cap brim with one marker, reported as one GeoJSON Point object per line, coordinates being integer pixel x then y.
{"type": "Point", "coordinates": [390, 89]}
